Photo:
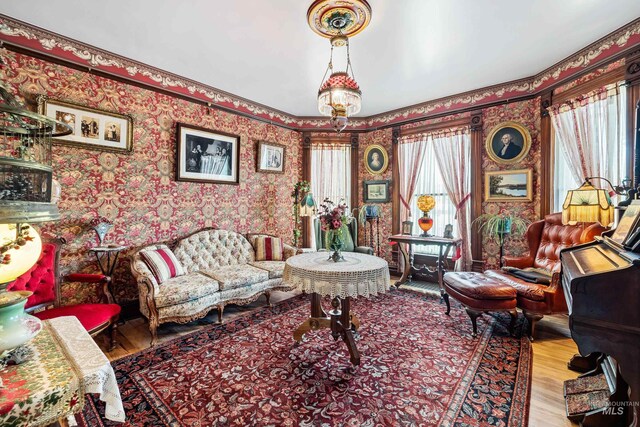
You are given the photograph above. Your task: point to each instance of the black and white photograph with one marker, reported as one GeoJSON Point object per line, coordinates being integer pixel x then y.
{"type": "Point", "coordinates": [508, 143]}
{"type": "Point", "coordinates": [207, 156]}
{"type": "Point", "coordinates": [92, 128]}
{"type": "Point", "coordinates": [271, 157]}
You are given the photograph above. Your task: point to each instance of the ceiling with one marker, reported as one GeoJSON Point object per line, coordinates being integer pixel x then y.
{"type": "Point", "coordinates": [264, 51]}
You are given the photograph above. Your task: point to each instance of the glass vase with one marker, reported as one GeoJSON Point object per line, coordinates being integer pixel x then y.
{"type": "Point", "coordinates": [335, 244]}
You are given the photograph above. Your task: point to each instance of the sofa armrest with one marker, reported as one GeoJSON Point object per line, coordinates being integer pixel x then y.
{"type": "Point", "coordinates": [517, 262]}
{"type": "Point", "coordinates": [363, 250]}
{"type": "Point", "coordinates": [290, 251]}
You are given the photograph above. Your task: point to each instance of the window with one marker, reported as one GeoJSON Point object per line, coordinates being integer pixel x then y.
{"type": "Point", "coordinates": [601, 120]}
{"type": "Point", "coordinates": [430, 182]}
{"type": "Point", "coordinates": [330, 174]}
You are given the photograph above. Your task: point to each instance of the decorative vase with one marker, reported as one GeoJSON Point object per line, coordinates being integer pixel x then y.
{"type": "Point", "coordinates": [425, 223]}
{"type": "Point", "coordinates": [16, 326]}
{"type": "Point", "coordinates": [102, 229]}
{"type": "Point", "coordinates": [336, 243]}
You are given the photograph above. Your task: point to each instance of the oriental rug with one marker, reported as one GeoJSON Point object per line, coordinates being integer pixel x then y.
{"type": "Point", "coordinates": [419, 367]}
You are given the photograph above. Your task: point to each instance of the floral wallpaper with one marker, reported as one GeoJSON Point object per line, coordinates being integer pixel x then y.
{"type": "Point", "coordinates": [382, 137]}
{"type": "Point", "coordinates": [527, 113]}
{"type": "Point", "coordinates": [138, 192]}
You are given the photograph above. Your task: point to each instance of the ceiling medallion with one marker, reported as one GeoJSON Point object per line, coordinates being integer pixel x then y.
{"type": "Point", "coordinates": [338, 17]}
{"type": "Point", "coordinates": [339, 96]}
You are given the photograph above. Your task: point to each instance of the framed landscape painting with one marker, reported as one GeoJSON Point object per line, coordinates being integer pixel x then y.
{"type": "Point", "coordinates": [376, 191]}
{"type": "Point", "coordinates": [92, 128]}
{"type": "Point", "coordinates": [509, 186]}
{"type": "Point", "coordinates": [203, 155]}
{"type": "Point", "coordinates": [271, 157]}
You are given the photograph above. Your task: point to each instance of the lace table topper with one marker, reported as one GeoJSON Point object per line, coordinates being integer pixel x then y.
{"type": "Point", "coordinates": [94, 367]}
{"type": "Point", "coordinates": [357, 275]}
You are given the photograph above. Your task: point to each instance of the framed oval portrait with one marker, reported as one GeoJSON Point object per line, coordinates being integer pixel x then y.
{"type": "Point", "coordinates": [376, 159]}
{"type": "Point", "coordinates": [508, 143]}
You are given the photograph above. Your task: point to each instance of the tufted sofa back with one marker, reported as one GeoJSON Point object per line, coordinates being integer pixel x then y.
{"type": "Point", "coordinates": [209, 249]}
{"type": "Point", "coordinates": [549, 236]}
{"type": "Point", "coordinates": [40, 279]}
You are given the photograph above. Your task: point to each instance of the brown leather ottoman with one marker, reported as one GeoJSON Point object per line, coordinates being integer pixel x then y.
{"type": "Point", "coordinates": [480, 294]}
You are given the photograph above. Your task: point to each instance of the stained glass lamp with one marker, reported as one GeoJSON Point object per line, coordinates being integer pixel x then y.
{"type": "Point", "coordinates": [587, 204]}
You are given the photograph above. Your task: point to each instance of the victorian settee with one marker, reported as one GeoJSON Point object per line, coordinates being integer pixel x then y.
{"type": "Point", "coordinates": [215, 268]}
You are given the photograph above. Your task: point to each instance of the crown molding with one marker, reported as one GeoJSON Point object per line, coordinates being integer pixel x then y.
{"type": "Point", "coordinates": [66, 50]}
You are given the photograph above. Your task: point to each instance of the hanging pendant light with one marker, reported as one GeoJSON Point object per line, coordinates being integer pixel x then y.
{"type": "Point", "coordinates": [339, 95]}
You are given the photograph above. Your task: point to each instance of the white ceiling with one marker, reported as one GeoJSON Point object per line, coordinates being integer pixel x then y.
{"type": "Point", "coordinates": [413, 50]}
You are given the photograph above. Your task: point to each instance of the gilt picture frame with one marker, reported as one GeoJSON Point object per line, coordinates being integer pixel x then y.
{"type": "Point", "coordinates": [376, 159]}
{"type": "Point", "coordinates": [207, 156]}
{"type": "Point", "coordinates": [271, 157]}
{"type": "Point", "coordinates": [93, 128]}
{"type": "Point", "coordinates": [508, 143]}
{"type": "Point", "coordinates": [509, 186]}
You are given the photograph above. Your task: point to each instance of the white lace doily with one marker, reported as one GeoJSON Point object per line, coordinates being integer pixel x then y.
{"type": "Point", "coordinates": [97, 373]}
{"type": "Point", "coordinates": [357, 275]}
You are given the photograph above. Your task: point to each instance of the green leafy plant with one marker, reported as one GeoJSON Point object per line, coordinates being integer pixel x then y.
{"type": "Point", "coordinates": [496, 226]}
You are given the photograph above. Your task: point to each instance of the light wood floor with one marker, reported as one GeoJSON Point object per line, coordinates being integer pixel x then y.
{"type": "Point", "coordinates": [552, 348]}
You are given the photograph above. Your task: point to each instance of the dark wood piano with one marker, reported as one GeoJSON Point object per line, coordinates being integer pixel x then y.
{"type": "Point", "coordinates": [601, 282]}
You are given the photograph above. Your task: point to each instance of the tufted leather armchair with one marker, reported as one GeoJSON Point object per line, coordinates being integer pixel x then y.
{"type": "Point", "coordinates": [546, 238]}
{"type": "Point", "coordinates": [43, 280]}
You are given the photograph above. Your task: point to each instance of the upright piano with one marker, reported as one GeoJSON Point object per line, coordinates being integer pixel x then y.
{"type": "Point", "coordinates": [601, 282]}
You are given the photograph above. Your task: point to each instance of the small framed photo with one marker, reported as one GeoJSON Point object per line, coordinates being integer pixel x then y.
{"type": "Point", "coordinates": [376, 159]}
{"type": "Point", "coordinates": [508, 143]}
{"type": "Point", "coordinates": [209, 156]}
{"type": "Point", "coordinates": [376, 191]}
{"type": "Point", "coordinates": [509, 186]}
{"type": "Point", "coordinates": [271, 157]}
{"type": "Point", "coordinates": [92, 128]}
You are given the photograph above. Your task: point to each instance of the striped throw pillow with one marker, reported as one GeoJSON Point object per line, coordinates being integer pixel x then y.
{"type": "Point", "coordinates": [163, 263]}
{"type": "Point", "coordinates": [269, 249]}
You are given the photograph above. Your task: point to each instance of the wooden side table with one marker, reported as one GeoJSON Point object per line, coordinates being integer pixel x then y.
{"type": "Point", "coordinates": [107, 256]}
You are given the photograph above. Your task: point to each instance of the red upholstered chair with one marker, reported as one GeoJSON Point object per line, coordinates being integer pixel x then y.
{"type": "Point", "coordinates": [44, 281]}
{"type": "Point", "coordinates": [546, 238]}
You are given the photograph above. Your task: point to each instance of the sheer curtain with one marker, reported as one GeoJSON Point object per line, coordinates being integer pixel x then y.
{"type": "Point", "coordinates": [411, 153]}
{"type": "Point", "coordinates": [589, 138]}
{"type": "Point", "coordinates": [330, 174]}
{"type": "Point", "coordinates": [453, 154]}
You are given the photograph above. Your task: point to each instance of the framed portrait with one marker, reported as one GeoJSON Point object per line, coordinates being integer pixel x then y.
{"type": "Point", "coordinates": [271, 157]}
{"type": "Point", "coordinates": [508, 143]}
{"type": "Point", "coordinates": [376, 159]}
{"type": "Point", "coordinates": [92, 128]}
{"type": "Point", "coordinates": [203, 155]}
{"type": "Point", "coordinates": [376, 191]}
{"type": "Point", "coordinates": [509, 186]}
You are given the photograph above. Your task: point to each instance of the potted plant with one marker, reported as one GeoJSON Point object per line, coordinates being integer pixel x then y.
{"type": "Point", "coordinates": [497, 226]}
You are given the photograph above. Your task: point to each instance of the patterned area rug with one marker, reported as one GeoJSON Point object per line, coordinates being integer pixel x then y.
{"type": "Point", "coordinates": [419, 368]}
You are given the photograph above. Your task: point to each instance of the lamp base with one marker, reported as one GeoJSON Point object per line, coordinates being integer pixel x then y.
{"type": "Point", "coordinates": [16, 326]}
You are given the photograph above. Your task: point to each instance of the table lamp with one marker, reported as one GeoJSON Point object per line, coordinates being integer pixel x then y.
{"type": "Point", "coordinates": [587, 204]}
{"type": "Point", "coordinates": [426, 203]}
{"type": "Point", "coordinates": [307, 205]}
{"type": "Point", "coordinates": [20, 248]}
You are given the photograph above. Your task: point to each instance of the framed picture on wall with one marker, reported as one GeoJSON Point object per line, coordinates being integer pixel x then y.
{"type": "Point", "coordinates": [508, 143]}
{"type": "Point", "coordinates": [203, 155]}
{"type": "Point", "coordinates": [271, 157]}
{"type": "Point", "coordinates": [92, 128]}
{"type": "Point", "coordinates": [508, 186]}
{"type": "Point", "coordinates": [376, 191]}
{"type": "Point", "coordinates": [376, 159]}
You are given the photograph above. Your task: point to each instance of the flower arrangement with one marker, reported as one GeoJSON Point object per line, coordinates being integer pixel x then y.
{"type": "Point", "coordinates": [333, 221]}
{"type": "Point", "coordinates": [332, 216]}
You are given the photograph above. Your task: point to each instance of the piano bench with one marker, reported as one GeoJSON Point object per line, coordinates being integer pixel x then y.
{"type": "Point", "coordinates": [480, 294]}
